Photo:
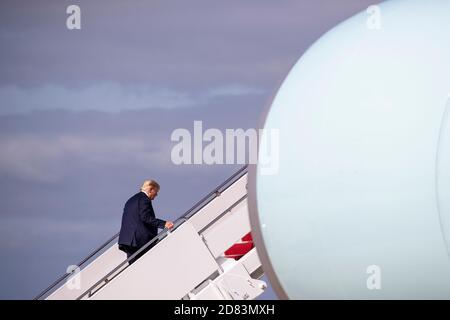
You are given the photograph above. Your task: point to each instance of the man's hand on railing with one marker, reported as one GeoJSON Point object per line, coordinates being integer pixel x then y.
{"type": "Point", "coordinates": [169, 224]}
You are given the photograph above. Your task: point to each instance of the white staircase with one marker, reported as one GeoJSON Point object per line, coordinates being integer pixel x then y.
{"type": "Point", "coordinates": [186, 263]}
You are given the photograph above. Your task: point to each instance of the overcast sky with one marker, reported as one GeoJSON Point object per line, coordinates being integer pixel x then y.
{"type": "Point", "coordinates": [86, 115]}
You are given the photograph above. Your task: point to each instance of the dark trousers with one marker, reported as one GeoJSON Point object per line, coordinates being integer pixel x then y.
{"type": "Point", "coordinates": [129, 250]}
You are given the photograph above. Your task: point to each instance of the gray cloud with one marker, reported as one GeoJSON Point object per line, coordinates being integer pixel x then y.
{"type": "Point", "coordinates": [42, 159]}
{"type": "Point", "coordinates": [183, 45]}
{"type": "Point", "coordinates": [108, 97]}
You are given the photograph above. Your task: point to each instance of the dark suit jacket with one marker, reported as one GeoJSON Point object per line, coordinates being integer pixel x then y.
{"type": "Point", "coordinates": [139, 224]}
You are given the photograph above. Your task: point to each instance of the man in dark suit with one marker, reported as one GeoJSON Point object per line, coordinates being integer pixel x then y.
{"type": "Point", "coordinates": [139, 224]}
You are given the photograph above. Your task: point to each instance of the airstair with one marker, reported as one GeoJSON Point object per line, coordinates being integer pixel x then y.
{"type": "Point", "coordinates": [207, 255]}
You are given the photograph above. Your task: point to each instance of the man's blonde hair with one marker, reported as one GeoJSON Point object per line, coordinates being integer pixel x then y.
{"type": "Point", "coordinates": [150, 184]}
